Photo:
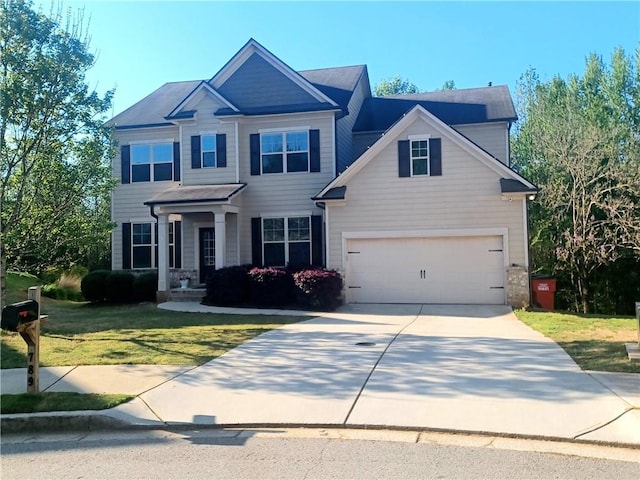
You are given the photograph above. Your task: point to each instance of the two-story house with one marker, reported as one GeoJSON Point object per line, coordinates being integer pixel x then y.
{"type": "Point", "coordinates": [411, 197]}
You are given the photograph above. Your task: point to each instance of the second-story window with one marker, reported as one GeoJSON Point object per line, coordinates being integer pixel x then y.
{"type": "Point", "coordinates": [420, 157]}
{"type": "Point", "coordinates": [208, 150]}
{"type": "Point", "coordinates": [285, 152]}
{"type": "Point", "coordinates": [152, 162]}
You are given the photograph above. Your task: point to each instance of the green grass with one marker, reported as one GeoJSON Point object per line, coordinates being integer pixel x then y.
{"type": "Point", "coordinates": [86, 334]}
{"type": "Point", "coordinates": [58, 402]}
{"type": "Point", "coordinates": [594, 342]}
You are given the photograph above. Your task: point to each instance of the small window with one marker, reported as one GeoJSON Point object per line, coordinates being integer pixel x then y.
{"type": "Point", "coordinates": [172, 245]}
{"type": "Point", "coordinates": [419, 157]}
{"type": "Point", "coordinates": [208, 149]}
{"type": "Point", "coordinates": [286, 241]}
{"type": "Point", "coordinates": [285, 152]}
{"type": "Point", "coordinates": [152, 162]}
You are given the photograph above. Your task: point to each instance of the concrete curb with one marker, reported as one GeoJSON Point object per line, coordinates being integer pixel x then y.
{"type": "Point", "coordinates": [93, 421]}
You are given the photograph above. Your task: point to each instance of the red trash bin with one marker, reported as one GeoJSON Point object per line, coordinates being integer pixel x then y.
{"type": "Point", "coordinates": [544, 291]}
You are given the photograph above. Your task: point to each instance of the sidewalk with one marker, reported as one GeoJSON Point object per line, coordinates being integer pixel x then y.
{"type": "Point", "coordinates": [454, 368]}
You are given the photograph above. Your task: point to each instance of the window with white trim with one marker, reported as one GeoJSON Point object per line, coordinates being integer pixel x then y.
{"type": "Point", "coordinates": [151, 162]}
{"type": "Point", "coordinates": [172, 245]}
{"type": "Point", "coordinates": [284, 152]}
{"type": "Point", "coordinates": [141, 245]}
{"type": "Point", "coordinates": [286, 241]}
{"type": "Point", "coordinates": [419, 157]}
{"type": "Point", "coordinates": [208, 151]}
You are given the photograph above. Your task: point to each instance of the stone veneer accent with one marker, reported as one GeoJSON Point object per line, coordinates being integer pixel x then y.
{"type": "Point", "coordinates": [517, 284]}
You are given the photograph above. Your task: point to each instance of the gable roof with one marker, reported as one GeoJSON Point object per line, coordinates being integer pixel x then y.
{"type": "Point", "coordinates": [152, 109]}
{"type": "Point", "coordinates": [242, 80]}
{"type": "Point", "coordinates": [333, 192]}
{"type": "Point", "coordinates": [177, 112]}
{"type": "Point", "coordinates": [453, 107]}
{"type": "Point", "coordinates": [337, 83]}
{"type": "Point", "coordinates": [325, 89]}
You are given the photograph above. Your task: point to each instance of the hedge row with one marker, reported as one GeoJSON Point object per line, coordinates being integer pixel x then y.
{"type": "Point", "coordinates": [119, 286]}
{"type": "Point", "coordinates": [314, 288]}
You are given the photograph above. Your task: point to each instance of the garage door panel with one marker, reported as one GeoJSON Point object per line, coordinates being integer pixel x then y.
{"type": "Point", "coordinates": [426, 270]}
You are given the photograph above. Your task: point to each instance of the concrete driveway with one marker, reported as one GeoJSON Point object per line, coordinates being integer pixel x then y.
{"type": "Point", "coordinates": [460, 367]}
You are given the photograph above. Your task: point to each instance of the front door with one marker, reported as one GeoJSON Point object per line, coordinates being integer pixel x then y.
{"type": "Point", "coordinates": [207, 252]}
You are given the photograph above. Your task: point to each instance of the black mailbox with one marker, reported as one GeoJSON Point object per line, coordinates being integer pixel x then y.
{"type": "Point", "coordinates": [19, 313]}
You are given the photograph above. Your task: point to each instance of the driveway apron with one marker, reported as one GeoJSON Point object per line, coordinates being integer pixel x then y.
{"type": "Point", "coordinates": [460, 367]}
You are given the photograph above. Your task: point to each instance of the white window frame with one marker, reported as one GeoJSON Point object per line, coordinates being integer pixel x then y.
{"type": "Point", "coordinates": [150, 245]}
{"type": "Point", "coordinates": [286, 240]}
{"type": "Point", "coordinates": [283, 133]}
{"type": "Point", "coordinates": [419, 138]}
{"type": "Point", "coordinates": [151, 163]}
{"type": "Point", "coordinates": [202, 150]}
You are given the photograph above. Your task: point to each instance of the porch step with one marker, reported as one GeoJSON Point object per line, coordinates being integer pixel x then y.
{"type": "Point", "coordinates": [188, 294]}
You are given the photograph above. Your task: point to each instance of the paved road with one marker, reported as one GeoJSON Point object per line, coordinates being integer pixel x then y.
{"type": "Point", "coordinates": [301, 454]}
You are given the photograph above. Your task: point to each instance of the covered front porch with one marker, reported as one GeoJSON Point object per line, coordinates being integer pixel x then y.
{"type": "Point", "coordinates": [197, 231]}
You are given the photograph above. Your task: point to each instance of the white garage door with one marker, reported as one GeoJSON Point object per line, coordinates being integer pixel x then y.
{"type": "Point", "coordinates": [425, 270]}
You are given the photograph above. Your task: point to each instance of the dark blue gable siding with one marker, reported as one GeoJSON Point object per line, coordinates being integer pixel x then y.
{"type": "Point", "coordinates": [257, 84]}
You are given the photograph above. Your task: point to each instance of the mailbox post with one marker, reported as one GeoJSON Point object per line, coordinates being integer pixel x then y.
{"type": "Point", "coordinates": [25, 318]}
{"type": "Point", "coordinates": [638, 318]}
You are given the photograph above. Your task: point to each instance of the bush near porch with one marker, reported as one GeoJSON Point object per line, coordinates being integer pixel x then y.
{"type": "Point", "coordinates": [309, 288]}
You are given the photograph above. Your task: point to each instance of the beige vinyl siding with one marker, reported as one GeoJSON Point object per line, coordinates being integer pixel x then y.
{"type": "Point", "coordinates": [344, 125]}
{"type": "Point", "coordinates": [492, 137]}
{"type": "Point", "coordinates": [127, 200]}
{"type": "Point", "coordinates": [287, 192]}
{"type": "Point", "coordinates": [206, 105]}
{"type": "Point", "coordinates": [466, 196]}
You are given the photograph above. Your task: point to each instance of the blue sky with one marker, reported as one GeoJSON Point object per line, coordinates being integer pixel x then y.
{"type": "Point", "coordinates": [141, 45]}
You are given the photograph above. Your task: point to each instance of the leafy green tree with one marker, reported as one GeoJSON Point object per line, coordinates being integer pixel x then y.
{"type": "Point", "coordinates": [578, 140]}
{"type": "Point", "coordinates": [394, 86]}
{"type": "Point", "coordinates": [448, 85]}
{"type": "Point", "coordinates": [55, 178]}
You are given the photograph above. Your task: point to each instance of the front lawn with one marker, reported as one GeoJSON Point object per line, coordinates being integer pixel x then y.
{"type": "Point", "coordinates": [59, 402]}
{"type": "Point", "coordinates": [594, 342]}
{"type": "Point", "coordinates": [86, 334]}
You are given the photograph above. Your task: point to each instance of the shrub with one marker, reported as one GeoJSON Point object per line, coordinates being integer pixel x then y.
{"type": "Point", "coordinates": [228, 286]}
{"type": "Point", "coordinates": [61, 293]}
{"type": "Point", "coordinates": [270, 287]}
{"type": "Point", "coordinates": [318, 288]}
{"type": "Point", "coordinates": [94, 285]}
{"type": "Point", "coordinates": [119, 286]}
{"type": "Point", "coordinates": [145, 287]}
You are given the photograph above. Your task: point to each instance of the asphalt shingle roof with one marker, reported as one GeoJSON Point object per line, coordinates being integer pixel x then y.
{"type": "Point", "coordinates": [453, 107]}
{"type": "Point", "coordinates": [153, 108]}
{"type": "Point", "coordinates": [197, 194]}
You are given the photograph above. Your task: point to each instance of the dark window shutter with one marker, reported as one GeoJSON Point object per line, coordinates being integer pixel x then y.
{"type": "Point", "coordinates": [177, 241]}
{"type": "Point", "coordinates": [196, 162]}
{"type": "Point", "coordinates": [176, 161]}
{"type": "Point", "coordinates": [435, 157]}
{"type": "Point", "coordinates": [314, 150]}
{"type": "Point", "coordinates": [221, 150]}
{"type": "Point", "coordinates": [155, 249]}
{"type": "Point", "coordinates": [126, 246]}
{"type": "Point", "coordinates": [404, 158]}
{"type": "Point", "coordinates": [254, 147]}
{"type": "Point", "coordinates": [256, 241]}
{"type": "Point", "coordinates": [316, 240]}
{"type": "Point", "coordinates": [125, 160]}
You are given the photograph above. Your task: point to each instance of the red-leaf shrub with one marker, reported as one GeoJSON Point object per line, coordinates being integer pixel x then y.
{"type": "Point", "coordinates": [318, 288]}
{"type": "Point", "coordinates": [270, 287]}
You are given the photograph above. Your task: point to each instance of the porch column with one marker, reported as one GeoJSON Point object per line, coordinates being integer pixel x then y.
{"type": "Point", "coordinates": [220, 236]}
{"type": "Point", "coordinates": [163, 257]}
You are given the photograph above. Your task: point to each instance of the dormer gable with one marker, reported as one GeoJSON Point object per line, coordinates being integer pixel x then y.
{"type": "Point", "coordinates": [256, 82]}
{"type": "Point", "coordinates": [188, 106]}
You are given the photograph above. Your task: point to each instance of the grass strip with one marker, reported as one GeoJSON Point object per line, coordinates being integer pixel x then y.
{"type": "Point", "coordinates": [595, 342]}
{"type": "Point", "coordinates": [59, 402]}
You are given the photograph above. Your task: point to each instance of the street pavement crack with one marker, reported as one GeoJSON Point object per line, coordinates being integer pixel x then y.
{"type": "Point", "coordinates": [364, 385]}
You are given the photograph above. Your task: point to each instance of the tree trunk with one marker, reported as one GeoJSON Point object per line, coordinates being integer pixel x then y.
{"type": "Point", "coordinates": [3, 275]}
